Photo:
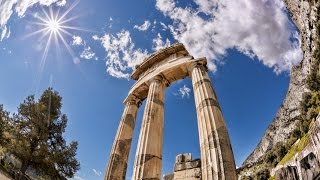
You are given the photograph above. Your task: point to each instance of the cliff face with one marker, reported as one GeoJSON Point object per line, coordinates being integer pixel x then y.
{"type": "Point", "coordinates": [304, 15]}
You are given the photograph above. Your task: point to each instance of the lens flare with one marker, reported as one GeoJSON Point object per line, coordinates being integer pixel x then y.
{"type": "Point", "coordinates": [54, 28]}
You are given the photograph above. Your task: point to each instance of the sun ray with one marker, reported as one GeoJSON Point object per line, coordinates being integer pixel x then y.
{"type": "Point", "coordinates": [35, 33]}
{"type": "Point", "coordinates": [69, 10]}
{"type": "Point", "coordinates": [67, 45]}
{"type": "Point", "coordinates": [66, 32]}
{"type": "Point", "coordinates": [46, 14]}
{"type": "Point", "coordinates": [76, 28]}
{"type": "Point", "coordinates": [69, 19]}
{"type": "Point", "coordinates": [45, 53]}
{"type": "Point", "coordinates": [57, 15]}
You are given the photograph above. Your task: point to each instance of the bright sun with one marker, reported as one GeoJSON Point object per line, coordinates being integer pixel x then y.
{"type": "Point", "coordinates": [54, 26]}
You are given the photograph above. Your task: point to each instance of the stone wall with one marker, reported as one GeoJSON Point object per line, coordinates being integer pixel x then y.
{"type": "Point", "coordinates": [185, 168]}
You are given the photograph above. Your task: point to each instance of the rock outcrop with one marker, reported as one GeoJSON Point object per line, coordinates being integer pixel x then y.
{"type": "Point", "coordinates": [304, 15]}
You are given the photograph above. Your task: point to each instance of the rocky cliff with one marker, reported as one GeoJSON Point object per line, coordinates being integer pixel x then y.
{"type": "Point", "coordinates": [304, 15]}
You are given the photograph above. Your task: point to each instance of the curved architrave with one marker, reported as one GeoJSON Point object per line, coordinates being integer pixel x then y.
{"type": "Point", "coordinates": [172, 71]}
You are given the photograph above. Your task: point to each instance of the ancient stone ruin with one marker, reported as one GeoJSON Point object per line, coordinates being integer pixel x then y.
{"type": "Point", "coordinates": [305, 164]}
{"type": "Point", "coordinates": [152, 77]}
{"type": "Point", "coordinates": [185, 168]}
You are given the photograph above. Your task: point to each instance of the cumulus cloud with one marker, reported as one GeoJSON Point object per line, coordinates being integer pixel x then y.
{"type": "Point", "coordinates": [258, 28]}
{"type": "Point", "coordinates": [145, 26]}
{"type": "Point", "coordinates": [87, 53]}
{"type": "Point", "coordinates": [77, 41]}
{"type": "Point", "coordinates": [8, 7]}
{"type": "Point", "coordinates": [183, 92]}
{"type": "Point", "coordinates": [98, 173]}
{"type": "Point", "coordinates": [158, 43]}
{"type": "Point", "coordinates": [121, 54]}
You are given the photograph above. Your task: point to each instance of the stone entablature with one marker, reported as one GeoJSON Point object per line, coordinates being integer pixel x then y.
{"type": "Point", "coordinates": [175, 51]}
{"type": "Point", "coordinates": [153, 76]}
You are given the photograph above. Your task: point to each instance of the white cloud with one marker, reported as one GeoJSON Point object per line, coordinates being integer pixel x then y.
{"type": "Point", "coordinates": [95, 37]}
{"type": "Point", "coordinates": [121, 54]}
{"type": "Point", "coordinates": [158, 43]}
{"type": "Point", "coordinates": [98, 173]}
{"type": "Point", "coordinates": [184, 91]}
{"type": "Point", "coordinates": [257, 28]}
{"type": "Point", "coordinates": [8, 7]}
{"type": "Point", "coordinates": [78, 178]}
{"type": "Point", "coordinates": [164, 26]}
{"type": "Point", "coordinates": [77, 41]}
{"type": "Point", "coordinates": [145, 26]}
{"type": "Point", "coordinates": [5, 33]}
{"type": "Point", "coordinates": [61, 3]}
{"type": "Point", "coordinates": [87, 53]}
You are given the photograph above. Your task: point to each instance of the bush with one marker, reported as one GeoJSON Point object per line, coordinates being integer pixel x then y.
{"type": "Point", "coordinates": [263, 174]}
{"type": "Point", "coordinates": [270, 157]}
{"type": "Point", "coordinates": [246, 178]}
{"type": "Point", "coordinates": [280, 151]}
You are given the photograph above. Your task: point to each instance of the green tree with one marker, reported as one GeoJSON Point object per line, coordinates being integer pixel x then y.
{"type": "Point", "coordinates": [4, 126]}
{"type": "Point", "coordinates": [37, 137]}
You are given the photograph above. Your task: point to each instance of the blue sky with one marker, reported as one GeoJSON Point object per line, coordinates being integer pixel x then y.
{"type": "Point", "coordinates": [250, 45]}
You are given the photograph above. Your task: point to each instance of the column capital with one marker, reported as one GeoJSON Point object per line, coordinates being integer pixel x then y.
{"type": "Point", "coordinates": [160, 78]}
{"type": "Point", "coordinates": [133, 100]}
{"type": "Point", "coordinates": [197, 64]}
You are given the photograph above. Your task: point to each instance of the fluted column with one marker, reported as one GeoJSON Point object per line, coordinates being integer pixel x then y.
{"type": "Point", "coordinates": [148, 162]}
{"type": "Point", "coordinates": [117, 165]}
{"type": "Point", "coordinates": [217, 161]}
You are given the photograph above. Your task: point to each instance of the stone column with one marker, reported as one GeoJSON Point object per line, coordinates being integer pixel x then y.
{"type": "Point", "coordinates": [217, 161]}
{"type": "Point", "coordinates": [148, 162]}
{"type": "Point", "coordinates": [117, 165]}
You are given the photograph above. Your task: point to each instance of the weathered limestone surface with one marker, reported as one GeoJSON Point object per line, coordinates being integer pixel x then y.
{"type": "Point", "coordinates": [118, 160]}
{"type": "Point", "coordinates": [289, 172]}
{"type": "Point", "coordinates": [185, 168]}
{"type": "Point", "coordinates": [217, 161]}
{"type": "Point", "coordinates": [149, 153]}
{"type": "Point", "coordinates": [184, 162]}
{"type": "Point", "coordinates": [310, 168]}
{"type": "Point", "coordinates": [304, 15]}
